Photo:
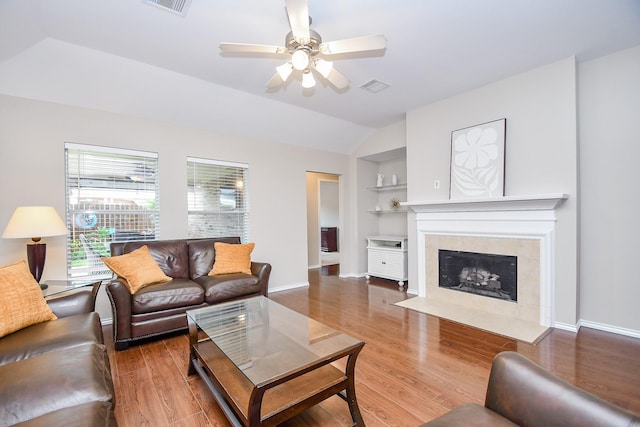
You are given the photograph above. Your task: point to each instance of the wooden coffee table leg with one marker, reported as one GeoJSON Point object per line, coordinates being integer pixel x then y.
{"type": "Point", "coordinates": [193, 340]}
{"type": "Point", "coordinates": [351, 389]}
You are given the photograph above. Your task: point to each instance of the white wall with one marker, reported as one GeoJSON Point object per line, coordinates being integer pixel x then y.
{"type": "Point", "coordinates": [329, 204]}
{"type": "Point", "coordinates": [541, 153]}
{"type": "Point", "coordinates": [609, 125]}
{"type": "Point", "coordinates": [32, 137]}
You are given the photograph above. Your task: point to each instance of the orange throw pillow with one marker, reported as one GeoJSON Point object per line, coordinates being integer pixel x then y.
{"type": "Point", "coordinates": [138, 268]}
{"type": "Point", "coordinates": [21, 300]}
{"type": "Point", "coordinates": [232, 258]}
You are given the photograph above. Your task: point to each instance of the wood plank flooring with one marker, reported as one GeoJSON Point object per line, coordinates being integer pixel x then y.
{"type": "Point", "coordinates": [413, 367]}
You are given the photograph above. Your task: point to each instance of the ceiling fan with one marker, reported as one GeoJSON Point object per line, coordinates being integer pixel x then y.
{"type": "Point", "coordinates": [306, 50]}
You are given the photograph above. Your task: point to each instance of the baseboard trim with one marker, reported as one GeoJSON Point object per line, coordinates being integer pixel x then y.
{"type": "Point", "coordinates": [566, 327]}
{"type": "Point", "coordinates": [350, 276]}
{"type": "Point", "coordinates": [598, 326]}
{"type": "Point", "coordinates": [609, 328]}
{"type": "Point", "coordinates": [289, 287]}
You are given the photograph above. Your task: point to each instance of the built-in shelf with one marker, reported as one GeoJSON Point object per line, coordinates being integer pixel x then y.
{"type": "Point", "coordinates": [388, 187]}
{"type": "Point", "coordinates": [383, 211]}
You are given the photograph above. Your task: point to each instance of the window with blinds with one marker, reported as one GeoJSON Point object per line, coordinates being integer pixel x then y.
{"type": "Point", "coordinates": [218, 198]}
{"type": "Point", "coordinates": [112, 196]}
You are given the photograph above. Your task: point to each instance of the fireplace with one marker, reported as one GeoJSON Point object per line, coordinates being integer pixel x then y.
{"type": "Point", "coordinates": [514, 236]}
{"type": "Point", "coordinates": [489, 275]}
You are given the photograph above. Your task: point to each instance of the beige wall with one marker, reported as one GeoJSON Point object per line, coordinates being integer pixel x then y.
{"type": "Point", "coordinates": [609, 112]}
{"type": "Point", "coordinates": [32, 137]}
{"type": "Point", "coordinates": [541, 152]}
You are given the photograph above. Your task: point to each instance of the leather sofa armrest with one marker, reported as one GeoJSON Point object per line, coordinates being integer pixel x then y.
{"type": "Point", "coordinates": [120, 298]}
{"type": "Point", "coordinates": [527, 394]}
{"type": "Point", "coordinates": [81, 301]}
{"type": "Point", "coordinates": [262, 271]}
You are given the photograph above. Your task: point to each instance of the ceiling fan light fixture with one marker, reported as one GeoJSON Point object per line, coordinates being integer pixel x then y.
{"type": "Point", "coordinates": [284, 71]}
{"type": "Point", "coordinates": [307, 80]}
{"type": "Point", "coordinates": [300, 59]}
{"type": "Point", "coordinates": [323, 67]}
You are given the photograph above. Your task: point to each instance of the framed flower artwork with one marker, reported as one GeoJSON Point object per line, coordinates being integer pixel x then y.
{"type": "Point", "coordinates": [477, 161]}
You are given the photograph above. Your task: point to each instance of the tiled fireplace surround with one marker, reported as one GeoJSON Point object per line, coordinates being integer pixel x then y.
{"type": "Point", "coordinates": [520, 226]}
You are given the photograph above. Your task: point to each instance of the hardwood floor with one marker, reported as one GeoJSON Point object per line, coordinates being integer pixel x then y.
{"type": "Point", "coordinates": [413, 367]}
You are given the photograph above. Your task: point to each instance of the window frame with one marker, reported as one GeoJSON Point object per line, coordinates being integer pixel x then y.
{"type": "Point", "coordinates": [212, 210]}
{"type": "Point", "coordinates": [95, 220]}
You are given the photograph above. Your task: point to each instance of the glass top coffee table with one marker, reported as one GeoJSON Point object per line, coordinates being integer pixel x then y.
{"type": "Point", "coordinates": [265, 363]}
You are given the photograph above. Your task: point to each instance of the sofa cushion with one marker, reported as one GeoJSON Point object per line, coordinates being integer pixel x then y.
{"type": "Point", "coordinates": [44, 337]}
{"type": "Point", "coordinates": [21, 300]}
{"type": "Point", "coordinates": [175, 293]}
{"type": "Point", "coordinates": [138, 268]}
{"type": "Point", "coordinates": [232, 258]}
{"type": "Point", "coordinates": [88, 414]}
{"type": "Point", "coordinates": [53, 381]}
{"type": "Point", "coordinates": [172, 256]}
{"type": "Point", "coordinates": [471, 415]}
{"type": "Point", "coordinates": [202, 254]}
{"type": "Point", "coordinates": [228, 286]}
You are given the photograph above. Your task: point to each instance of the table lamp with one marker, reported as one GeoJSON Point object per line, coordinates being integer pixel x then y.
{"type": "Point", "coordinates": [35, 222]}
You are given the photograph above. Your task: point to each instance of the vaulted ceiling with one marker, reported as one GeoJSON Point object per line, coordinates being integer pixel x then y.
{"type": "Point", "coordinates": [129, 57]}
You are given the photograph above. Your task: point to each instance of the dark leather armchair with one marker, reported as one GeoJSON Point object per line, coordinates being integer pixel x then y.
{"type": "Point", "coordinates": [57, 372]}
{"type": "Point", "coordinates": [521, 393]}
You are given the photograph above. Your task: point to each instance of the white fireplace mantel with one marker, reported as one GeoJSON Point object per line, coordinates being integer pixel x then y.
{"type": "Point", "coordinates": [506, 203]}
{"type": "Point", "coordinates": [495, 221]}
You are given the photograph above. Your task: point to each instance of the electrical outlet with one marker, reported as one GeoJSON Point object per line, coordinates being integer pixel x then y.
{"type": "Point", "coordinates": [436, 184]}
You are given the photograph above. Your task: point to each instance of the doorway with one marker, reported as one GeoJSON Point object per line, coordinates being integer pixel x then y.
{"type": "Point", "coordinates": [323, 219]}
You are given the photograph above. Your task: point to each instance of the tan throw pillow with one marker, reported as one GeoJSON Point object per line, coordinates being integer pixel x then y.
{"type": "Point", "coordinates": [21, 300]}
{"type": "Point", "coordinates": [232, 258]}
{"type": "Point", "coordinates": [138, 268]}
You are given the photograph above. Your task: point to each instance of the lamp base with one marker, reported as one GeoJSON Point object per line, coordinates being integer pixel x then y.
{"type": "Point", "coordinates": [36, 254]}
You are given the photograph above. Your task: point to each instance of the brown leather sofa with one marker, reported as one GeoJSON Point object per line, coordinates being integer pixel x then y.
{"type": "Point", "coordinates": [521, 393]}
{"type": "Point", "coordinates": [160, 309]}
{"type": "Point", "coordinates": [57, 373]}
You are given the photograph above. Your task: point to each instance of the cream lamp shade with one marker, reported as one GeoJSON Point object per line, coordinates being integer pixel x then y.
{"type": "Point", "coordinates": [35, 222]}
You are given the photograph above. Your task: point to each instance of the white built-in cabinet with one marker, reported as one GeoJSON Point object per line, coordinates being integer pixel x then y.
{"type": "Point", "coordinates": [387, 258]}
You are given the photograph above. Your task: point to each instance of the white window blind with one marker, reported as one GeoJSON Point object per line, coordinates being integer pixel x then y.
{"type": "Point", "coordinates": [112, 195]}
{"type": "Point", "coordinates": [218, 198]}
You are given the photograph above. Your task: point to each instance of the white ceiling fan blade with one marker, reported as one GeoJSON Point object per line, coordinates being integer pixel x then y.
{"type": "Point", "coordinates": [275, 82]}
{"type": "Point", "coordinates": [281, 76]}
{"type": "Point", "coordinates": [356, 44]}
{"type": "Point", "coordinates": [252, 48]}
{"type": "Point", "coordinates": [298, 13]}
{"type": "Point", "coordinates": [284, 71]}
{"type": "Point", "coordinates": [337, 79]}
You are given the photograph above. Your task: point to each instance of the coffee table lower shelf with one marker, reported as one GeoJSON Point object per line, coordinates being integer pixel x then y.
{"type": "Point", "coordinates": [270, 404]}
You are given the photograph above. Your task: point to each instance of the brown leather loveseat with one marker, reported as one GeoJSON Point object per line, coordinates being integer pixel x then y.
{"type": "Point", "coordinates": [160, 308]}
{"type": "Point", "coordinates": [57, 373]}
{"type": "Point", "coordinates": [521, 393]}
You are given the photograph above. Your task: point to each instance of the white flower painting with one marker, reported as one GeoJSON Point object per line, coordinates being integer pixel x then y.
{"type": "Point", "coordinates": [477, 161]}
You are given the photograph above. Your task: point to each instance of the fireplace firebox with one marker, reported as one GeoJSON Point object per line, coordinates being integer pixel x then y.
{"type": "Point", "coordinates": [490, 275]}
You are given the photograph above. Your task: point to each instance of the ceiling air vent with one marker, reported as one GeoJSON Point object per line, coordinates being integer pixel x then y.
{"type": "Point", "coordinates": [176, 6]}
{"type": "Point", "coordinates": [374, 86]}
